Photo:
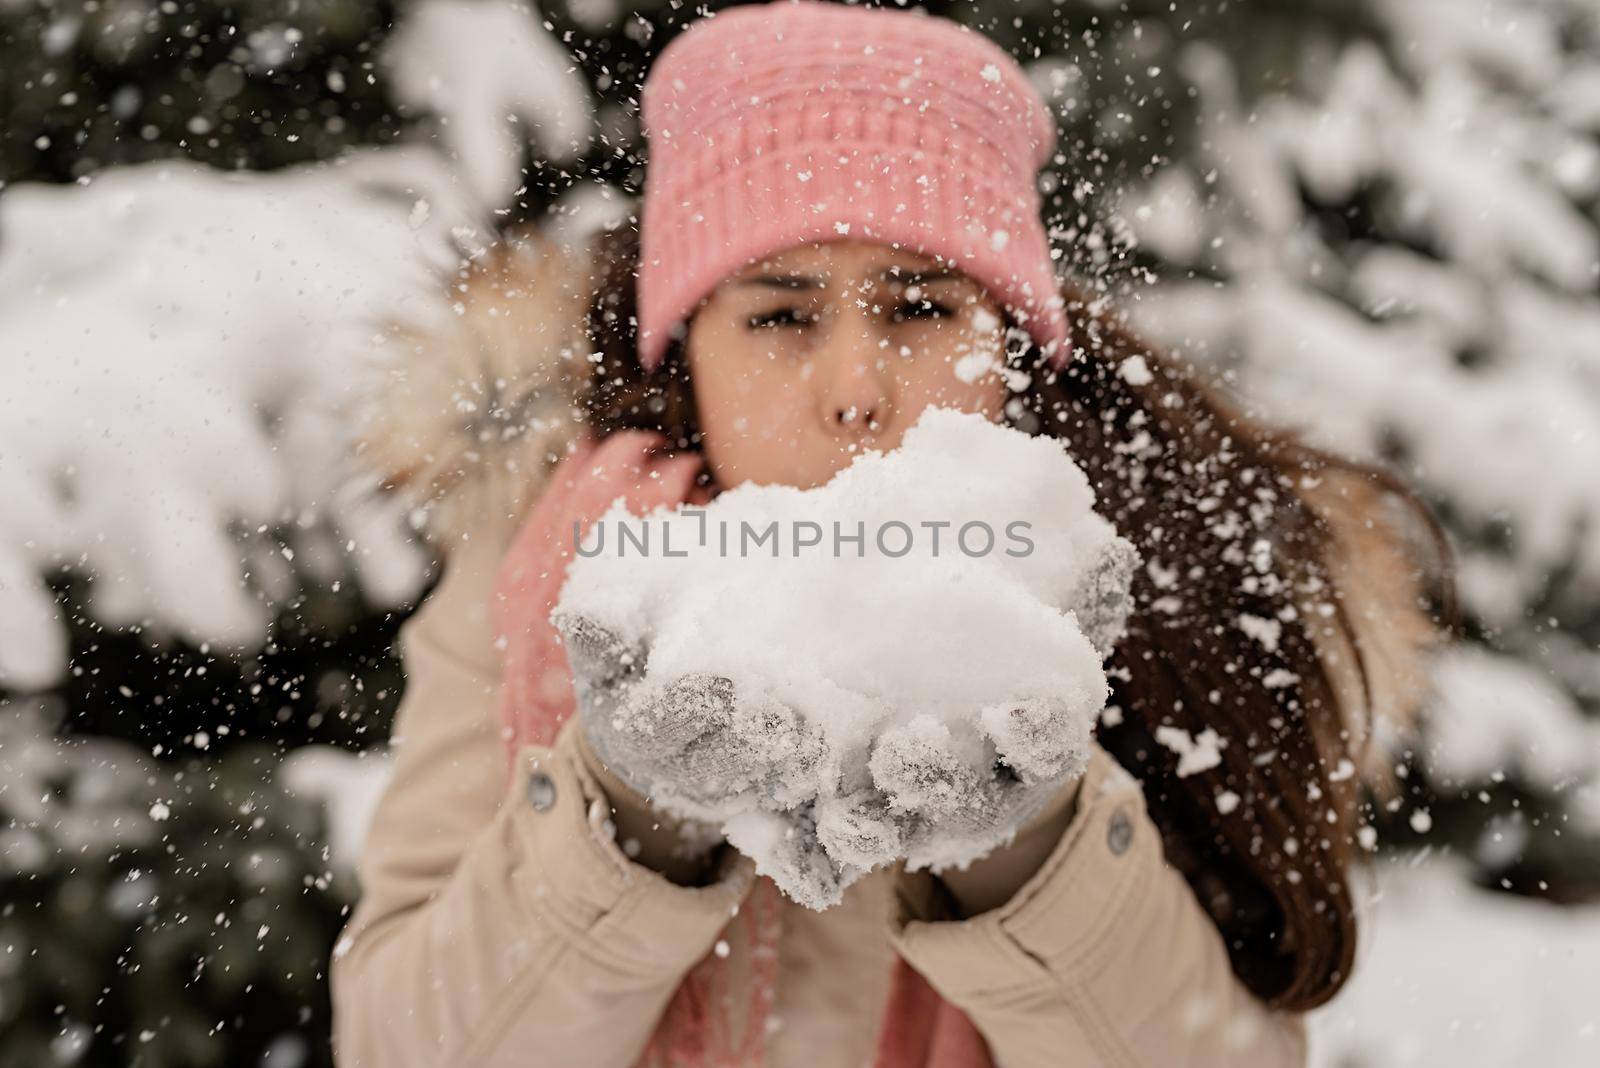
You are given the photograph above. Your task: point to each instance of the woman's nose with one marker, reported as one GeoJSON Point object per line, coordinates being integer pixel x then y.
{"type": "Point", "coordinates": [855, 390]}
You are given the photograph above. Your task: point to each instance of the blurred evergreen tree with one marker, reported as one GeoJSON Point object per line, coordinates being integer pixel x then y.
{"type": "Point", "coordinates": [252, 84]}
{"type": "Point", "coordinates": [158, 915]}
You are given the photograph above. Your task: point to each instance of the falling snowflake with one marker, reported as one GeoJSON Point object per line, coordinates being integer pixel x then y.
{"type": "Point", "coordinates": [1135, 371]}
{"type": "Point", "coordinates": [1195, 754]}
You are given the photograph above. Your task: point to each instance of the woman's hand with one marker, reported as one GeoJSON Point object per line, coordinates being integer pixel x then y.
{"type": "Point", "coordinates": [693, 738]}
{"type": "Point", "coordinates": [952, 808]}
{"type": "Point", "coordinates": [696, 741]}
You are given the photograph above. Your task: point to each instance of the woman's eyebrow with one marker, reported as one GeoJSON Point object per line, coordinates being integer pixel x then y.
{"type": "Point", "coordinates": [913, 277]}
{"type": "Point", "coordinates": [786, 281]}
{"type": "Point", "coordinates": [896, 273]}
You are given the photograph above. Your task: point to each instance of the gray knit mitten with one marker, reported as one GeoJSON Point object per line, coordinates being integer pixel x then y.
{"type": "Point", "coordinates": [1103, 599]}
{"type": "Point", "coordinates": [954, 799]}
{"type": "Point", "coordinates": [693, 739]}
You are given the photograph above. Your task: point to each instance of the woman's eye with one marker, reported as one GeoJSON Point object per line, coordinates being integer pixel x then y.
{"type": "Point", "coordinates": [921, 309]}
{"type": "Point", "coordinates": [783, 317]}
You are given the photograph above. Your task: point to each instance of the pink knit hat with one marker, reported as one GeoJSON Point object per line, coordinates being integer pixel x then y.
{"type": "Point", "coordinates": [772, 125]}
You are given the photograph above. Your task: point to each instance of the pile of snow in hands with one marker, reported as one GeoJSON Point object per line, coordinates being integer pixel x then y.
{"type": "Point", "coordinates": [878, 687]}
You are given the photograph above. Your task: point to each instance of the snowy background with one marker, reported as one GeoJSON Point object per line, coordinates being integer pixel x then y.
{"type": "Point", "coordinates": [1380, 218]}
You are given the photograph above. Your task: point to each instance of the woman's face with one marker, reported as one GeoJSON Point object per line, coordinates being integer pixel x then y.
{"type": "Point", "coordinates": [825, 349]}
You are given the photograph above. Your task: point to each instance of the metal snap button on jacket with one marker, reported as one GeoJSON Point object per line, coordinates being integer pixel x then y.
{"type": "Point", "coordinates": [1119, 832]}
{"type": "Point", "coordinates": [541, 791]}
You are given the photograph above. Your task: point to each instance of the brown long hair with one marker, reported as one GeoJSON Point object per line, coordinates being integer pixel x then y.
{"type": "Point", "coordinates": [1234, 521]}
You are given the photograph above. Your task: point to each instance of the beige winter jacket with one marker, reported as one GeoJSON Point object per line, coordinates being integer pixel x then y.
{"type": "Point", "coordinates": [503, 927]}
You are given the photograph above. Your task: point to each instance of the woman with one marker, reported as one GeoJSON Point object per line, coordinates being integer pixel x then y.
{"type": "Point", "coordinates": [840, 229]}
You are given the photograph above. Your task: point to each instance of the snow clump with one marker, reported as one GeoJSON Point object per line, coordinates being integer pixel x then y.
{"type": "Point", "coordinates": [930, 620]}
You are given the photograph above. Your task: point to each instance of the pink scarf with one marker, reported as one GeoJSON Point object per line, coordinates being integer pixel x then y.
{"type": "Point", "coordinates": [920, 1029]}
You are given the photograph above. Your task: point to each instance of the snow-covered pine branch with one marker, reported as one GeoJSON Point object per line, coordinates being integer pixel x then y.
{"type": "Point", "coordinates": [187, 353]}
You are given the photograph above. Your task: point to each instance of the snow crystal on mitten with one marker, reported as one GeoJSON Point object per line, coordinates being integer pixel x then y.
{"type": "Point", "coordinates": [1037, 737]}
{"type": "Point", "coordinates": [860, 829]}
{"type": "Point", "coordinates": [917, 766]}
{"type": "Point", "coordinates": [951, 806]}
{"type": "Point", "coordinates": [697, 739]}
{"type": "Point", "coordinates": [1103, 598]}
{"type": "Point", "coordinates": [599, 655]}
{"type": "Point", "coordinates": [787, 850]}
{"type": "Point", "coordinates": [694, 739]}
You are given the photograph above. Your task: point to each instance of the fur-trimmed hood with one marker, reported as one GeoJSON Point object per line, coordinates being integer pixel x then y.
{"type": "Point", "coordinates": [466, 422]}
